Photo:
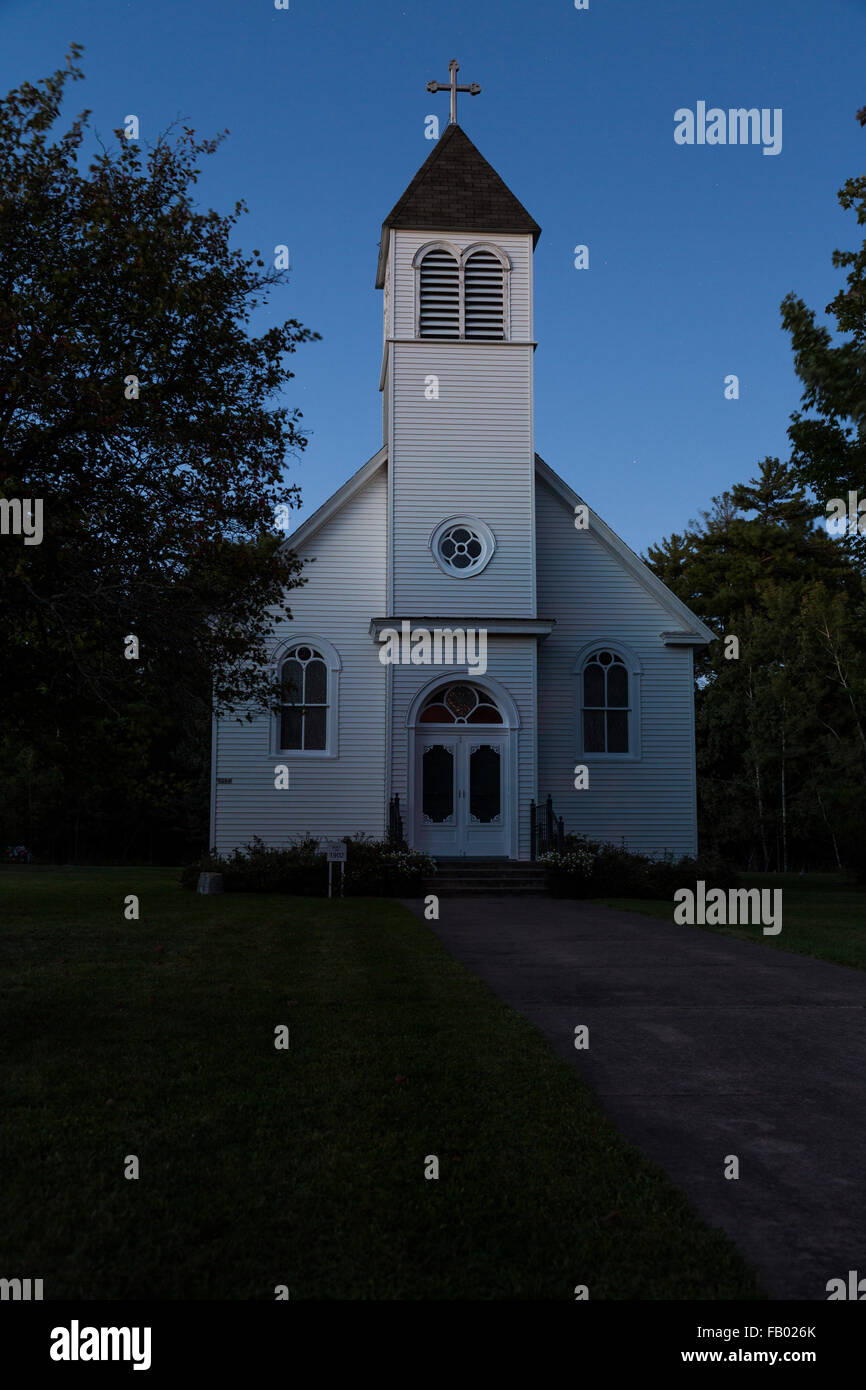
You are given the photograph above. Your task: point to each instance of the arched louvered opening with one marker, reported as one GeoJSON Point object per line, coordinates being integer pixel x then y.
{"type": "Point", "coordinates": [484, 296]}
{"type": "Point", "coordinates": [439, 296]}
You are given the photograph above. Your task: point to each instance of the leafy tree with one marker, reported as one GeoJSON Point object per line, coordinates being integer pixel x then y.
{"type": "Point", "coordinates": [829, 445]}
{"type": "Point", "coordinates": [780, 729]}
{"type": "Point", "coordinates": [135, 403]}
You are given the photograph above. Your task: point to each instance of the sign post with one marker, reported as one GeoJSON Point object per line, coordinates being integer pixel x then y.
{"type": "Point", "coordinates": [336, 852]}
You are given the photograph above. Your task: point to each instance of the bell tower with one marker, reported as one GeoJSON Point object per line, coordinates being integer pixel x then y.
{"type": "Point", "coordinates": [455, 264]}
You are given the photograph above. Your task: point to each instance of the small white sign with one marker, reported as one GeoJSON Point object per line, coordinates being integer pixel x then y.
{"type": "Point", "coordinates": [336, 851]}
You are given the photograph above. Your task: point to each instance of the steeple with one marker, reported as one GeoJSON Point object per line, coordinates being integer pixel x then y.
{"type": "Point", "coordinates": [456, 190]}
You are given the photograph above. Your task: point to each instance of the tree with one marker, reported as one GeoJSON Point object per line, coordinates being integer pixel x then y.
{"type": "Point", "coordinates": [779, 729]}
{"type": "Point", "coordinates": [135, 404]}
{"type": "Point", "coordinates": [829, 446]}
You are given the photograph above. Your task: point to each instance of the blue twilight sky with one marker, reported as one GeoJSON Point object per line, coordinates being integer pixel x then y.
{"type": "Point", "coordinates": [691, 248]}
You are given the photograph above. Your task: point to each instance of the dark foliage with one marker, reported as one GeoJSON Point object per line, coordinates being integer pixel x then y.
{"type": "Point", "coordinates": [373, 869]}
{"type": "Point", "coordinates": [595, 869]}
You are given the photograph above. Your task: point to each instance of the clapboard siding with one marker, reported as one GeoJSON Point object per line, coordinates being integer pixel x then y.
{"type": "Point", "coordinates": [649, 803]}
{"type": "Point", "coordinates": [327, 796]}
{"type": "Point", "coordinates": [511, 662]}
{"type": "Point", "coordinates": [386, 401]}
{"type": "Point", "coordinates": [469, 451]}
{"type": "Point", "coordinates": [517, 248]}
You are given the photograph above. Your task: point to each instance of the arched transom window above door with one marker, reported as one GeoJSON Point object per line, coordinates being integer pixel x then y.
{"type": "Point", "coordinates": [462, 294]}
{"type": "Point", "coordinates": [460, 703]}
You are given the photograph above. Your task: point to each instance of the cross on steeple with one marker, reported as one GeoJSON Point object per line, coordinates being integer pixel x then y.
{"type": "Point", "coordinates": [473, 89]}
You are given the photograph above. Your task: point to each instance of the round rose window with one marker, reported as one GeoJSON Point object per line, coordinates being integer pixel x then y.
{"type": "Point", "coordinates": [462, 546]}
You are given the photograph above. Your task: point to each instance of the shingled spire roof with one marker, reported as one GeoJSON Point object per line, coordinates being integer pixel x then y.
{"type": "Point", "coordinates": [456, 190]}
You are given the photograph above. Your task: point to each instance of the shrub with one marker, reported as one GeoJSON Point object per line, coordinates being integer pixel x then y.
{"type": "Point", "coordinates": [16, 854]}
{"type": "Point", "coordinates": [592, 869]}
{"type": "Point", "coordinates": [373, 868]}
{"type": "Point", "coordinates": [855, 863]}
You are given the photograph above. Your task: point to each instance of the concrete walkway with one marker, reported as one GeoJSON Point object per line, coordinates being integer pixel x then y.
{"type": "Point", "coordinates": [700, 1047]}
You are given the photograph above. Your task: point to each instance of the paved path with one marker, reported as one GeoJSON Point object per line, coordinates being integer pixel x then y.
{"type": "Point", "coordinates": [701, 1047]}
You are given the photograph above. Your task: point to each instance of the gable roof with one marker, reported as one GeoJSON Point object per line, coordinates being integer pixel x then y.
{"type": "Point", "coordinates": [693, 633]}
{"type": "Point", "coordinates": [456, 190]}
{"type": "Point", "coordinates": [337, 500]}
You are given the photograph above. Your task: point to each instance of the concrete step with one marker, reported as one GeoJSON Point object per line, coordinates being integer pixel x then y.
{"type": "Point", "coordinates": [483, 886]}
{"type": "Point", "coordinates": [452, 885]}
{"type": "Point", "coordinates": [455, 876]}
{"type": "Point", "coordinates": [482, 878]}
{"type": "Point", "coordinates": [478, 859]}
{"type": "Point", "coordinates": [500, 865]}
{"type": "Point", "coordinates": [497, 874]}
{"type": "Point", "coordinates": [485, 891]}
{"type": "Point", "coordinates": [441, 884]}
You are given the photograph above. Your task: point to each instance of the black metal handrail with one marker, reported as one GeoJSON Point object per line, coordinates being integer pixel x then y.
{"type": "Point", "coordinates": [395, 824]}
{"type": "Point", "coordinates": [546, 830]}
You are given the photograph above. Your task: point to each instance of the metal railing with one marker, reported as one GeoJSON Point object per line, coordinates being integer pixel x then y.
{"type": "Point", "coordinates": [395, 824]}
{"type": "Point", "coordinates": [546, 830]}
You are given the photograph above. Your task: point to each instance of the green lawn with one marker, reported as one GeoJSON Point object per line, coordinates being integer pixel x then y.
{"type": "Point", "coordinates": [302, 1167]}
{"type": "Point", "coordinates": [822, 916]}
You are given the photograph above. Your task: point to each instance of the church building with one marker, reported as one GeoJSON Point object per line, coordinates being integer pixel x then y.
{"type": "Point", "coordinates": [472, 638]}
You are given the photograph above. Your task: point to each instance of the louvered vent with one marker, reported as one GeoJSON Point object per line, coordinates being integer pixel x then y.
{"type": "Point", "coordinates": [440, 296]}
{"type": "Point", "coordinates": [485, 296]}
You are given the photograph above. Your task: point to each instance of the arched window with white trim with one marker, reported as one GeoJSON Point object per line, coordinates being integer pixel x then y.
{"type": "Point", "coordinates": [306, 717]}
{"type": "Point", "coordinates": [608, 701]}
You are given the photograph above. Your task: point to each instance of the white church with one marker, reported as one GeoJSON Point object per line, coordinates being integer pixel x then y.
{"type": "Point", "coordinates": [473, 642]}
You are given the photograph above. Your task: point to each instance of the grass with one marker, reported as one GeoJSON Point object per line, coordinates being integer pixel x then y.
{"type": "Point", "coordinates": [303, 1167]}
{"type": "Point", "coordinates": [822, 916]}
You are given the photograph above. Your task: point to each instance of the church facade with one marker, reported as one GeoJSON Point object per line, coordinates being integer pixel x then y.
{"type": "Point", "coordinates": [472, 638]}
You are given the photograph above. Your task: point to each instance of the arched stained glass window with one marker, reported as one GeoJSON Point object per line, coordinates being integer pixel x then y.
{"type": "Point", "coordinates": [460, 703]}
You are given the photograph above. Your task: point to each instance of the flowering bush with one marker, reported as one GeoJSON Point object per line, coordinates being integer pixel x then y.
{"type": "Point", "coordinates": [16, 854]}
{"type": "Point", "coordinates": [373, 868]}
{"type": "Point", "coordinates": [578, 861]}
{"type": "Point", "coordinates": [591, 869]}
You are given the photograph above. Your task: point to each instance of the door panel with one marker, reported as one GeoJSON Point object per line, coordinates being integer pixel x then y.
{"type": "Point", "coordinates": [485, 783]}
{"type": "Point", "coordinates": [437, 782]}
{"type": "Point", "coordinates": [461, 794]}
